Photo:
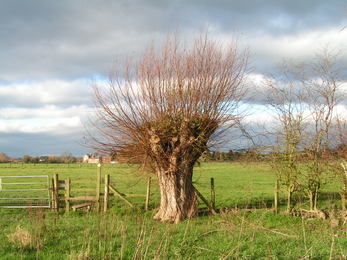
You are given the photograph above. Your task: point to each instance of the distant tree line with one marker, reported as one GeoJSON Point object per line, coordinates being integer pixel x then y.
{"type": "Point", "coordinates": [243, 155]}
{"type": "Point", "coordinates": [250, 155]}
{"type": "Point", "coordinates": [220, 156]}
{"type": "Point", "coordinates": [65, 157]}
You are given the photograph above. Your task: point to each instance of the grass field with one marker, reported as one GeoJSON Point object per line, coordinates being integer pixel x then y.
{"type": "Point", "coordinates": [244, 228]}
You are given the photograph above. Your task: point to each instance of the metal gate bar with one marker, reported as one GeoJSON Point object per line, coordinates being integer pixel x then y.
{"type": "Point", "coordinates": [35, 194]}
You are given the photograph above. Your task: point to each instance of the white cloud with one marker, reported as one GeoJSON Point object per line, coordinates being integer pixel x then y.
{"type": "Point", "coordinates": [47, 111]}
{"type": "Point", "coordinates": [49, 92]}
{"type": "Point", "coordinates": [57, 126]}
{"type": "Point", "coordinates": [269, 50]}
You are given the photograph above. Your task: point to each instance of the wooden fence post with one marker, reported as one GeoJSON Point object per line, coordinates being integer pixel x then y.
{"type": "Point", "coordinates": [204, 200]}
{"type": "Point", "coordinates": [148, 192]}
{"type": "Point", "coordinates": [53, 196]}
{"type": "Point", "coordinates": [344, 189]}
{"type": "Point", "coordinates": [67, 195]}
{"type": "Point", "coordinates": [276, 195]}
{"type": "Point", "coordinates": [107, 190]}
{"type": "Point", "coordinates": [55, 192]}
{"type": "Point", "coordinates": [212, 194]}
{"type": "Point", "coordinates": [98, 186]}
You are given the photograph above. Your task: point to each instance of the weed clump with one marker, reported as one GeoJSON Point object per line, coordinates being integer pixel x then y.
{"type": "Point", "coordinates": [22, 237]}
{"type": "Point", "coordinates": [81, 255]}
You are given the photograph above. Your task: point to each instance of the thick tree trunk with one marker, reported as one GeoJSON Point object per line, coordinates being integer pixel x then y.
{"type": "Point", "coordinates": [178, 199]}
{"type": "Point", "coordinates": [175, 148]}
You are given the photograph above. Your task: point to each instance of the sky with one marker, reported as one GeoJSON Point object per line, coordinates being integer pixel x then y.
{"type": "Point", "coordinates": [51, 51]}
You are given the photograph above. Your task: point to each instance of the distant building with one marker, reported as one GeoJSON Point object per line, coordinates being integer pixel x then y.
{"type": "Point", "coordinates": [47, 158]}
{"type": "Point", "coordinates": [96, 158]}
{"type": "Point", "coordinates": [91, 158]}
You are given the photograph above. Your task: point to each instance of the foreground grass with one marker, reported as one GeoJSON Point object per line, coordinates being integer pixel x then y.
{"type": "Point", "coordinates": [133, 234]}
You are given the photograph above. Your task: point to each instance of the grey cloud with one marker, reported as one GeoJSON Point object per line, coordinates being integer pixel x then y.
{"type": "Point", "coordinates": [273, 17]}
{"type": "Point", "coordinates": [72, 39]}
{"type": "Point", "coordinates": [16, 145]}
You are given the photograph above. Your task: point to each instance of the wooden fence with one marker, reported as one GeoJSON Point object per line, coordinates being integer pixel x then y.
{"type": "Point", "coordinates": [65, 194]}
{"type": "Point", "coordinates": [92, 197]}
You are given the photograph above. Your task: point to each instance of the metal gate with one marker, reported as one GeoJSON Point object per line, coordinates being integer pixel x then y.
{"type": "Point", "coordinates": [24, 192]}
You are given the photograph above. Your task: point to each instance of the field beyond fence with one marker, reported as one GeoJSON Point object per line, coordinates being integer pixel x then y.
{"type": "Point", "coordinates": [236, 185]}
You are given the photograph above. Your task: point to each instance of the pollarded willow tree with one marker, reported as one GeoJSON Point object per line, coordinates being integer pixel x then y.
{"type": "Point", "coordinates": [168, 107]}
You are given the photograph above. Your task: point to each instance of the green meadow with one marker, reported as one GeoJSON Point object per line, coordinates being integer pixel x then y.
{"type": "Point", "coordinates": [245, 226]}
